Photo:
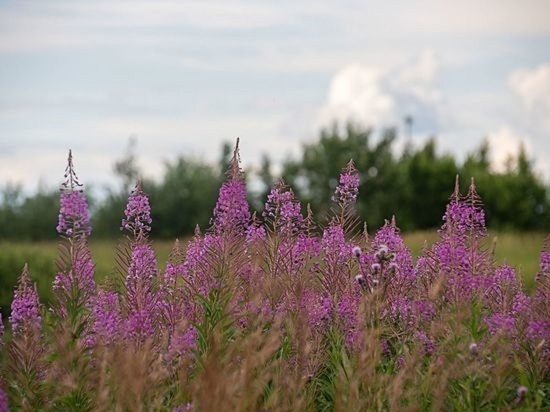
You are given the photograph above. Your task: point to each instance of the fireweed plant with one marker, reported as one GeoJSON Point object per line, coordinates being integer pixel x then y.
{"type": "Point", "coordinates": [275, 312]}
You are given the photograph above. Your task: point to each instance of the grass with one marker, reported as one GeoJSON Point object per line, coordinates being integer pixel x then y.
{"type": "Point", "coordinates": [520, 250]}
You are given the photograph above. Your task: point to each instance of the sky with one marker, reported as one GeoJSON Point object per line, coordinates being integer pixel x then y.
{"type": "Point", "coordinates": [184, 76]}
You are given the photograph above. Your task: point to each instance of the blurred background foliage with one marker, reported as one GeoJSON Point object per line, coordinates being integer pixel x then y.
{"type": "Point", "coordinates": [411, 182]}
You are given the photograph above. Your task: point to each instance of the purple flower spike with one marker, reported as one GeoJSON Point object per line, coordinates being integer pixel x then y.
{"type": "Point", "coordinates": [390, 249]}
{"type": "Point", "coordinates": [464, 216]}
{"type": "Point", "coordinates": [141, 299]}
{"type": "Point", "coordinates": [1, 330]}
{"type": "Point", "coordinates": [182, 343]}
{"type": "Point", "coordinates": [143, 266]}
{"type": "Point", "coordinates": [77, 282]}
{"type": "Point", "coordinates": [3, 401]}
{"type": "Point", "coordinates": [545, 262]}
{"type": "Point", "coordinates": [25, 308]}
{"type": "Point", "coordinates": [335, 246]}
{"type": "Point", "coordinates": [74, 218]}
{"type": "Point", "coordinates": [139, 325]}
{"type": "Point", "coordinates": [106, 318]}
{"type": "Point", "coordinates": [427, 343]}
{"type": "Point", "coordinates": [348, 187]}
{"type": "Point", "coordinates": [137, 214]}
{"type": "Point", "coordinates": [232, 212]}
{"type": "Point", "coordinates": [282, 209]}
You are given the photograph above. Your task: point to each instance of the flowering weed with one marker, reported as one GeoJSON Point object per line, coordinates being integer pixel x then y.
{"type": "Point", "coordinates": [279, 313]}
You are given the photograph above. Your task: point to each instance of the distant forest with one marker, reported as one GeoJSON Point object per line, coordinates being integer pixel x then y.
{"type": "Point", "coordinates": [413, 184]}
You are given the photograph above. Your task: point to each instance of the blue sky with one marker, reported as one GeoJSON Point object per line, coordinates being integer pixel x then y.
{"type": "Point", "coordinates": [183, 76]}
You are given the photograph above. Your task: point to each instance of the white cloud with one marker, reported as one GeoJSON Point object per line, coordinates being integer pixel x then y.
{"type": "Point", "coordinates": [357, 94]}
{"type": "Point", "coordinates": [198, 13]}
{"type": "Point", "coordinates": [504, 145]}
{"type": "Point", "coordinates": [532, 86]}
{"type": "Point", "coordinates": [140, 52]}
{"type": "Point", "coordinates": [376, 97]}
{"type": "Point", "coordinates": [37, 26]}
{"type": "Point", "coordinates": [479, 17]}
{"type": "Point", "coordinates": [417, 79]}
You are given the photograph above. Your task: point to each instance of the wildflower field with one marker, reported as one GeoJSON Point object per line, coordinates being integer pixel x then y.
{"type": "Point", "coordinates": [281, 312]}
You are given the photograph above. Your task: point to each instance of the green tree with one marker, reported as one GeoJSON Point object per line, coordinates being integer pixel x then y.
{"type": "Point", "coordinates": [12, 197]}
{"type": "Point", "coordinates": [514, 199]}
{"type": "Point", "coordinates": [416, 185]}
{"type": "Point", "coordinates": [314, 176]}
{"type": "Point", "coordinates": [185, 198]}
{"type": "Point", "coordinates": [427, 183]}
{"type": "Point", "coordinates": [39, 215]}
{"type": "Point", "coordinates": [28, 218]}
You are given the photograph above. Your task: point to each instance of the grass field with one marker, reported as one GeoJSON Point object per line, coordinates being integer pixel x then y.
{"type": "Point", "coordinates": [520, 250]}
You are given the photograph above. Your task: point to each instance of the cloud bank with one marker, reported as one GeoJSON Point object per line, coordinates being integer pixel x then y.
{"type": "Point", "coordinates": [184, 77]}
{"type": "Point", "coordinates": [375, 97]}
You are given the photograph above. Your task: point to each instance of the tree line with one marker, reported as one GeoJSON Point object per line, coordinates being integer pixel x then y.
{"type": "Point", "coordinates": [413, 184]}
